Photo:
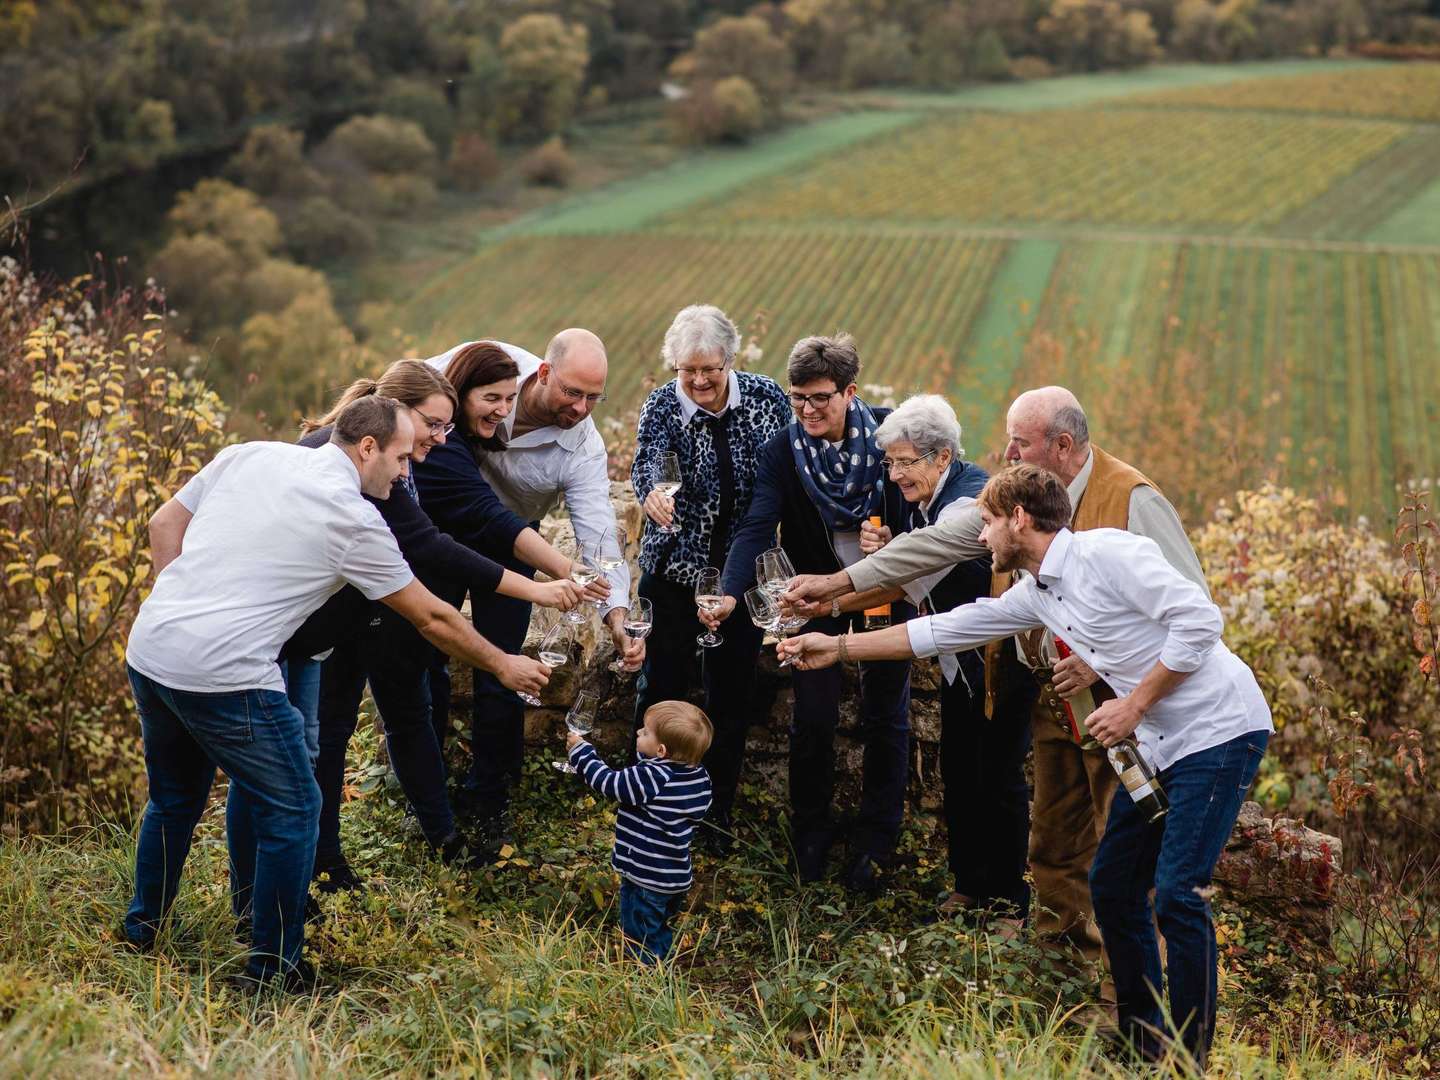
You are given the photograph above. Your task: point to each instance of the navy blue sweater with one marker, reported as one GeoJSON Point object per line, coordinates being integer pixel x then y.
{"type": "Point", "coordinates": [780, 500]}
{"type": "Point", "coordinates": [461, 501]}
{"type": "Point", "coordinates": [660, 804]}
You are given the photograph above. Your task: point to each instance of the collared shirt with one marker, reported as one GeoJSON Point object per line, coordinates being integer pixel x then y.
{"type": "Point", "coordinates": [688, 408]}
{"type": "Point", "coordinates": [1122, 607]}
{"type": "Point", "coordinates": [539, 468]}
{"type": "Point", "coordinates": [277, 529]}
{"type": "Point", "coordinates": [918, 591]}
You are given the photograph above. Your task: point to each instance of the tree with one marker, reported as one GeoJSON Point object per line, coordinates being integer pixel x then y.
{"type": "Point", "coordinates": [271, 162]}
{"type": "Point", "coordinates": [1088, 35]}
{"type": "Point", "coordinates": [943, 46]}
{"type": "Point", "coordinates": [292, 360]}
{"type": "Point", "coordinates": [319, 231]}
{"type": "Point", "coordinates": [474, 164]}
{"type": "Point", "coordinates": [743, 46]}
{"type": "Point", "coordinates": [421, 102]}
{"type": "Point", "coordinates": [231, 214]}
{"type": "Point", "coordinates": [883, 54]}
{"type": "Point", "coordinates": [544, 61]}
{"type": "Point", "coordinates": [381, 144]}
{"type": "Point", "coordinates": [728, 110]}
{"type": "Point", "coordinates": [987, 57]}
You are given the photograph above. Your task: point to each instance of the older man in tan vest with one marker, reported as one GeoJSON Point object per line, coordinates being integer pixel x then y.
{"type": "Point", "coordinates": [1073, 782]}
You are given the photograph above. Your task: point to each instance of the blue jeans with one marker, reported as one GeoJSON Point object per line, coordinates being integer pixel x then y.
{"type": "Point", "coordinates": [258, 738]}
{"type": "Point", "coordinates": [645, 920]}
{"type": "Point", "coordinates": [1176, 857]}
{"type": "Point", "coordinates": [302, 687]}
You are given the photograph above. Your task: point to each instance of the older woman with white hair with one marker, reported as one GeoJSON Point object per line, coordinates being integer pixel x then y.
{"type": "Point", "coordinates": [987, 811]}
{"type": "Point", "coordinates": [715, 419]}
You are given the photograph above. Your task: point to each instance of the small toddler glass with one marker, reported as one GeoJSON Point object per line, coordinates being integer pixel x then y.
{"type": "Point", "coordinates": [580, 720]}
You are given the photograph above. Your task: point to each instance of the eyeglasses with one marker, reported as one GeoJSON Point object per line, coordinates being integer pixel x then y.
{"type": "Point", "coordinates": [437, 427]}
{"type": "Point", "coordinates": [572, 394]}
{"type": "Point", "coordinates": [903, 464]}
{"type": "Point", "coordinates": [709, 371]}
{"type": "Point", "coordinates": [815, 401]}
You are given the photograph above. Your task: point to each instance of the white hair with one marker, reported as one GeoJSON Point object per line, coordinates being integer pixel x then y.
{"type": "Point", "coordinates": [700, 330]}
{"type": "Point", "coordinates": [925, 421]}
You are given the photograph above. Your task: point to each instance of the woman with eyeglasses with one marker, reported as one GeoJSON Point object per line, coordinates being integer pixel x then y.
{"type": "Point", "coordinates": [371, 645]}
{"type": "Point", "coordinates": [819, 480]}
{"type": "Point", "coordinates": [982, 761]}
{"type": "Point", "coordinates": [715, 419]}
{"type": "Point", "coordinates": [525, 442]}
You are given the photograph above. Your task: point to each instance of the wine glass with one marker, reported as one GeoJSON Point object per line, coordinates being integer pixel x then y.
{"type": "Point", "coordinates": [667, 480]}
{"type": "Point", "coordinates": [583, 571]}
{"type": "Point", "coordinates": [580, 720]}
{"type": "Point", "coordinates": [554, 651]}
{"type": "Point", "coordinates": [608, 560]}
{"type": "Point", "coordinates": [765, 613]}
{"type": "Point", "coordinates": [708, 597]}
{"type": "Point", "coordinates": [638, 620]}
{"type": "Point", "coordinates": [773, 570]}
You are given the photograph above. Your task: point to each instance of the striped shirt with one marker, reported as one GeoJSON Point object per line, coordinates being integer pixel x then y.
{"type": "Point", "coordinates": [660, 802]}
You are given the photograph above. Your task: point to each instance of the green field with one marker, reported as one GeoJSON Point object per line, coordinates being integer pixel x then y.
{"type": "Point", "coordinates": [1256, 237]}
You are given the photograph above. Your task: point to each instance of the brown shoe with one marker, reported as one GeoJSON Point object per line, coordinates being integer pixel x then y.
{"type": "Point", "coordinates": [1103, 1017]}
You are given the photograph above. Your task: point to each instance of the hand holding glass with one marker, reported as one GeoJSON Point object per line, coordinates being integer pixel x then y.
{"type": "Point", "coordinates": [580, 720]}
{"type": "Point", "coordinates": [667, 481]}
{"type": "Point", "coordinates": [708, 597]}
{"type": "Point", "coordinates": [638, 620]}
{"type": "Point", "coordinates": [555, 648]}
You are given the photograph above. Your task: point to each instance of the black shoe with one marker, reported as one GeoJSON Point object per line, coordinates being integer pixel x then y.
{"type": "Point", "coordinates": [122, 936]}
{"type": "Point", "coordinates": [337, 876]}
{"type": "Point", "coordinates": [862, 875]}
{"type": "Point", "coordinates": [300, 979]}
{"type": "Point", "coordinates": [811, 851]}
{"type": "Point", "coordinates": [459, 852]}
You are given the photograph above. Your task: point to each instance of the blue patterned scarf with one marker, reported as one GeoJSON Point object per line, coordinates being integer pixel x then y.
{"type": "Point", "coordinates": [844, 483]}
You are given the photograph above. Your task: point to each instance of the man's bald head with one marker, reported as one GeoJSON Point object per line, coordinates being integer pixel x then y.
{"type": "Point", "coordinates": [572, 379]}
{"type": "Point", "coordinates": [1047, 427]}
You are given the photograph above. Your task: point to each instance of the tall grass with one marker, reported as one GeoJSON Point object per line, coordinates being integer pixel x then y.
{"type": "Point", "coordinates": [422, 978]}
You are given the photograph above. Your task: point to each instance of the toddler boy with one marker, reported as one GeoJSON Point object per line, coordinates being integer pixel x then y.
{"type": "Point", "coordinates": [661, 797]}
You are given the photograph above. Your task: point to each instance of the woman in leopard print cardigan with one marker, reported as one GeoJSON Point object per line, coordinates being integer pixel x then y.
{"type": "Point", "coordinates": [716, 419]}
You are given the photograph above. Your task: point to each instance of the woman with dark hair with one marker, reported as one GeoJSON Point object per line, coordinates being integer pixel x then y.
{"type": "Point", "coordinates": [370, 645]}
{"type": "Point", "coordinates": [459, 498]}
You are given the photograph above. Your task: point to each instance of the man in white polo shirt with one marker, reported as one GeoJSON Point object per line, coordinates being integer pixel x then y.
{"type": "Point", "coordinates": [254, 543]}
{"type": "Point", "coordinates": [552, 452]}
{"type": "Point", "coordinates": [1192, 705]}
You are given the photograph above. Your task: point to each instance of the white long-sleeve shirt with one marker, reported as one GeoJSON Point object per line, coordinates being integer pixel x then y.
{"type": "Point", "coordinates": [1117, 602]}
{"type": "Point", "coordinates": [539, 468]}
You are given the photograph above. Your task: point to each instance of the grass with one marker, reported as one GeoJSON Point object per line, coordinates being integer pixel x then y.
{"type": "Point", "coordinates": [518, 972]}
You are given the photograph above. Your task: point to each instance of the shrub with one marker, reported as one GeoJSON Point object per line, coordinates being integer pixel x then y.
{"type": "Point", "coordinates": [379, 144]}
{"type": "Point", "coordinates": [729, 110]}
{"type": "Point", "coordinates": [544, 60]}
{"type": "Point", "coordinates": [1031, 67]}
{"type": "Point", "coordinates": [474, 162]}
{"type": "Point", "coordinates": [97, 432]}
{"type": "Point", "coordinates": [548, 164]}
{"type": "Point", "coordinates": [272, 162]}
{"type": "Point", "coordinates": [733, 45]}
{"type": "Point", "coordinates": [321, 232]}
{"type": "Point", "coordinates": [424, 105]}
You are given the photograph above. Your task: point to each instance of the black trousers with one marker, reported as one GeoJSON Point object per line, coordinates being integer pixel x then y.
{"type": "Point", "coordinates": [982, 766]}
{"type": "Point", "coordinates": [401, 689]}
{"type": "Point", "coordinates": [726, 672]}
{"type": "Point", "coordinates": [884, 730]}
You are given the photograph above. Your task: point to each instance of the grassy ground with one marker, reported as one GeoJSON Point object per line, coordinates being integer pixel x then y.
{"type": "Point", "coordinates": [517, 971]}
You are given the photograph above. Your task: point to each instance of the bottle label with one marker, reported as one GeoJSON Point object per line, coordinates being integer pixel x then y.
{"type": "Point", "coordinates": [1136, 783]}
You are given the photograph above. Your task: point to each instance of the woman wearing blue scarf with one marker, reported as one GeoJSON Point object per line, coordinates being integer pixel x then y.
{"type": "Point", "coordinates": [818, 480]}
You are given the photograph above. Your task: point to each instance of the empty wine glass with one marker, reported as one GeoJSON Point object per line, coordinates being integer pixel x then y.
{"type": "Point", "coordinates": [555, 648]}
{"type": "Point", "coordinates": [766, 614]}
{"type": "Point", "coordinates": [583, 570]}
{"type": "Point", "coordinates": [708, 597]}
{"type": "Point", "coordinates": [667, 481]}
{"type": "Point", "coordinates": [638, 621]}
{"type": "Point", "coordinates": [580, 720]}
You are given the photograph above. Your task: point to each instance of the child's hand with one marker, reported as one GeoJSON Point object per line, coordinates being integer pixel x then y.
{"type": "Point", "coordinates": [572, 740]}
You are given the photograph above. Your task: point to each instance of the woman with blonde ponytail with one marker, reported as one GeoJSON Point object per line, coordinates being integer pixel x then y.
{"type": "Point", "coordinates": [372, 645]}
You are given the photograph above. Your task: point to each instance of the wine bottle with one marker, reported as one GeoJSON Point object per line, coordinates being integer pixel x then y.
{"type": "Point", "coordinates": [1077, 707]}
{"type": "Point", "coordinates": [877, 618]}
{"type": "Point", "coordinates": [1139, 780]}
